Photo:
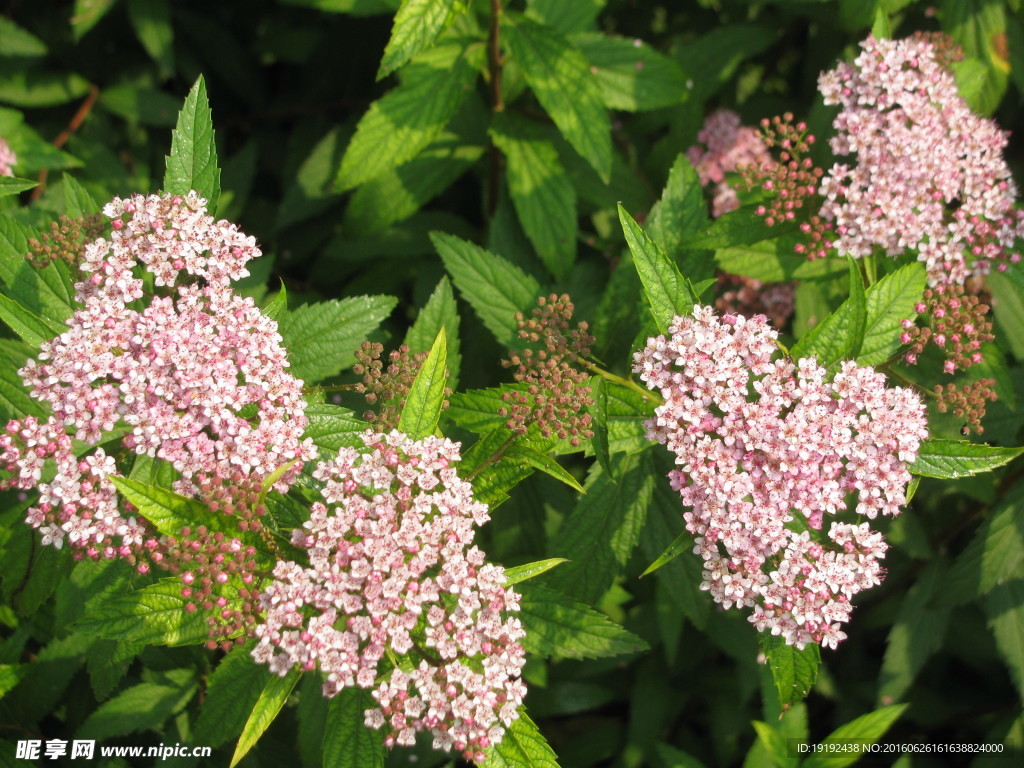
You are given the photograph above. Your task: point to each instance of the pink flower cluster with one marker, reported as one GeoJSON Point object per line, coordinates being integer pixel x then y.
{"type": "Point", "coordinates": [7, 158]}
{"type": "Point", "coordinates": [197, 377]}
{"type": "Point", "coordinates": [765, 450]}
{"type": "Point", "coordinates": [393, 571]}
{"type": "Point", "coordinates": [728, 146]}
{"type": "Point", "coordinates": [929, 174]}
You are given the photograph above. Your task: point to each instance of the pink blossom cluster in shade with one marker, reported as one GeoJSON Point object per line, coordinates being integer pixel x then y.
{"type": "Point", "coordinates": [927, 174]}
{"type": "Point", "coordinates": [197, 377]}
{"type": "Point", "coordinates": [393, 570]}
{"type": "Point", "coordinates": [7, 158]}
{"type": "Point", "coordinates": [728, 146]}
{"type": "Point", "coordinates": [766, 449]}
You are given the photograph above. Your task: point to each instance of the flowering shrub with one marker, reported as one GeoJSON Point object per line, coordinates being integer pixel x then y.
{"type": "Point", "coordinates": [263, 413]}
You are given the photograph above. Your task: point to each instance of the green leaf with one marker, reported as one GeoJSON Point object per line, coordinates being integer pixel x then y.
{"type": "Point", "coordinates": [522, 573]}
{"type": "Point", "coordinates": [154, 615]}
{"type": "Point", "coordinates": [16, 42]}
{"type": "Point", "coordinates": [889, 301]}
{"type": "Point", "coordinates": [440, 312]}
{"type": "Point", "coordinates": [793, 671]}
{"type": "Point", "coordinates": [418, 24]}
{"type": "Point", "coordinates": [406, 119]}
{"type": "Point", "coordinates": [533, 458]}
{"type": "Point", "coordinates": [632, 76]}
{"type": "Point", "coordinates": [1004, 609]}
{"type": "Point", "coordinates": [141, 707]}
{"type": "Point", "coordinates": [494, 287]}
{"type": "Point", "coordinates": [348, 743]}
{"type": "Point", "coordinates": [542, 194]}
{"type": "Point", "coordinates": [151, 20]}
{"type": "Point", "coordinates": [425, 400]}
{"type": "Point", "coordinates": [322, 338]}
{"type": "Point", "coordinates": [560, 77]}
{"type": "Point", "coordinates": [48, 292]}
{"type": "Point", "coordinates": [267, 707]}
{"type": "Point", "coordinates": [567, 18]}
{"type": "Point", "coordinates": [31, 328]}
{"type": "Point", "coordinates": [668, 292]}
{"type": "Point", "coordinates": [522, 747]}
{"type": "Point", "coordinates": [869, 728]}
{"type": "Point", "coordinates": [773, 742]}
{"type": "Point", "coordinates": [87, 14]}
{"type": "Point", "coordinates": [15, 402]}
{"type": "Point", "coordinates": [840, 335]}
{"type": "Point", "coordinates": [559, 627]}
{"type": "Point", "coordinates": [995, 554]}
{"type": "Point", "coordinates": [332, 427]}
{"type": "Point", "coordinates": [35, 88]}
{"type": "Point", "coordinates": [679, 215]}
{"type": "Point", "coordinates": [192, 164]}
{"type": "Point", "coordinates": [773, 261]}
{"type": "Point", "coordinates": [601, 533]}
{"type": "Point", "coordinates": [278, 304]}
{"type": "Point", "coordinates": [684, 542]}
{"type": "Point", "coordinates": [979, 27]}
{"type": "Point", "coordinates": [739, 227]}
{"type": "Point", "coordinates": [950, 459]}
{"type": "Point", "coordinates": [711, 61]}
{"type": "Point", "coordinates": [142, 105]}
{"type": "Point", "coordinates": [77, 200]}
{"type": "Point", "coordinates": [232, 692]}
{"type": "Point", "coordinates": [42, 687]}
{"type": "Point", "coordinates": [168, 511]}
{"type": "Point", "coordinates": [10, 185]}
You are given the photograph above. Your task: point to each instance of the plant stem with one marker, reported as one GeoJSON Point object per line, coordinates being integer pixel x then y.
{"type": "Point", "coordinates": [629, 383]}
{"type": "Point", "coordinates": [497, 105]}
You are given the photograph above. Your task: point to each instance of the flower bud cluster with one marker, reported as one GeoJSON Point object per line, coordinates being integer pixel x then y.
{"type": "Point", "coordinates": [958, 324]}
{"type": "Point", "coordinates": [969, 402]}
{"type": "Point", "coordinates": [7, 158]}
{"type": "Point", "coordinates": [66, 240]}
{"type": "Point", "coordinates": [387, 387]}
{"type": "Point", "coordinates": [393, 571]}
{"type": "Point", "coordinates": [557, 393]}
{"type": "Point", "coordinates": [765, 449]}
{"type": "Point", "coordinates": [927, 173]}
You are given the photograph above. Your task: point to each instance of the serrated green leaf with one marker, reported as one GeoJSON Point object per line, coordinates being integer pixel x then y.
{"type": "Point", "coordinates": [417, 25]}
{"type": "Point", "coordinates": [16, 42]}
{"type": "Point", "coordinates": [477, 409]}
{"type": "Point", "coordinates": [154, 615]}
{"type": "Point", "coordinates": [492, 480]}
{"type": "Point", "coordinates": [839, 336]}
{"type": "Point", "coordinates": [48, 292]}
{"type": "Point", "coordinates": [994, 556]}
{"type": "Point", "coordinates": [678, 215]}
{"type": "Point", "coordinates": [425, 400]}
{"type": "Point", "coordinates": [232, 692]}
{"type": "Point", "coordinates": [631, 75]}
{"type": "Point", "coordinates": [52, 669]}
{"type": "Point", "coordinates": [567, 18]}
{"type": "Point", "coordinates": [108, 663]}
{"type": "Point", "coordinates": [773, 742]}
{"type": "Point", "coordinates": [266, 709]}
{"type": "Point", "coordinates": [533, 458]}
{"type": "Point", "coordinates": [950, 459]}
{"type": "Point", "coordinates": [559, 627]}
{"type": "Point", "coordinates": [668, 292]}
{"type": "Point", "coordinates": [168, 511]}
{"type": "Point", "coordinates": [1004, 609]}
{"type": "Point", "coordinates": [494, 287]}
{"type": "Point", "coordinates": [793, 671]}
{"type": "Point", "coordinates": [141, 707]}
{"type": "Point", "coordinates": [77, 200]}
{"type": "Point", "coordinates": [774, 261]}
{"type": "Point", "coordinates": [31, 328]}
{"type": "Point", "coordinates": [312, 716]}
{"type": "Point", "coordinates": [151, 20]}
{"type": "Point", "coordinates": [410, 116]}
{"type": "Point", "coordinates": [521, 573]}
{"type": "Point", "coordinates": [15, 402]}
{"type": "Point", "coordinates": [10, 676]}
{"type": "Point", "coordinates": [11, 185]}
{"type": "Point", "coordinates": [348, 743]}
{"type": "Point", "coordinates": [684, 542]}
{"type": "Point", "coordinates": [192, 163]}
{"type": "Point", "coordinates": [560, 77]}
{"type": "Point", "coordinates": [740, 227]}
{"type": "Point", "coordinates": [522, 747]}
{"type": "Point", "coordinates": [868, 728]}
{"type": "Point", "coordinates": [332, 427]}
{"type": "Point", "coordinates": [541, 192]}
{"type": "Point", "coordinates": [322, 338]}
{"type": "Point", "coordinates": [889, 301]}
{"type": "Point", "coordinates": [278, 304]}
{"type": "Point", "coordinates": [440, 311]}
{"type": "Point", "coordinates": [601, 533]}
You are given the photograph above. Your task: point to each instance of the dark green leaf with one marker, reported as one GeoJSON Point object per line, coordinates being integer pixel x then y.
{"type": "Point", "coordinates": [678, 215]}
{"type": "Point", "coordinates": [152, 22]}
{"type": "Point", "coordinates": [87, 14]}
{"type": "Point", "coordinates": [348, 743]}
{"type": "Point", "coordinates": [533, 458]}
{"type": "Point", "coordinates": [683, 543]}
{"type": "Point", "coordinates": [425, 400]}
{"type": "Point", "coordinates": [994, 556]}
{"type": "Point", "coordinates": [192, 164]}
{"type": "Point", "coordinates": [949, 459]}
{"type": "Point", "coordinates": [1004, 608]}
{"type": "Point", "coordinates": [266, 709]}
{"type": "Point", "coordinates": [418, 24]}
{"type": "Point", "coordinates": [148, 106]}
{"type": "Point", "coordinates": [31, 328]}
{"type": "Point", "coordinates": [141, 707]}
{"type": "Point", "coordinates": [793, 671]}
{"type": "Point", "coordinates": [77, 200]}
{"type": "Point", "coordinates": [35, 88]}
{"type": "Point", "coordinates": [869, 728]}
{"type": "Point", "coordinates": [232, 692]}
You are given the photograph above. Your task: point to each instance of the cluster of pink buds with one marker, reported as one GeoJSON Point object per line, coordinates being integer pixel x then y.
{"type": "Point", "coordinates": [394, 575]}
{"type": "Point", "coordinates": [386, 386]}
{"type": "Point", "coordinates": [727, 147]}
{"type": "Point", "coordinates": [766, 449]}
{"type": "Point", "coordinates": [958, 324]}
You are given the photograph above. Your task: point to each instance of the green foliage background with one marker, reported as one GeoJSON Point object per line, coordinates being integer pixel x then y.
{"type": "Point", "coordinates": [400, 188]}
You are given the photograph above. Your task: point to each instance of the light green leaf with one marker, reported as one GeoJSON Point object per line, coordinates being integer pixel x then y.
{"type": "Point", "coordinates": [425, 400]}
{"type": "Point", "coordinates": [979, 27]}
{"type": "Point", "coordinates": [48, 292]}
{"type": "Point", "coordinates": [522, 573]}
{"type": "Point", "coordinates": [889, 301]}
{"type": "Point", "coordinates": [577, 16]}
{"type": "Point", "coordinates": [151, 20]}
{"type": "Point", "coordinates": [949, 459]}
{"type": "Point", "coordinates": [16, 42]}
{"type": "Point", "coordinates": [869, 728]}
{"type": "Point", "coordinates": [36, 88]}
{"type": "Point", "coordinates": [77, 200]}
{"type": "Point", "coordinates": [15, 402]}
{"type": "Point", "coordinates": [542, 194]}
{"type": "Point", "coordinates": [557, 626]}
{"type": "Point", "coordinates": [684, 542]}
{"type": "Point", "coordinates": [406, 119]}
{"type": "Point", "coordinates": [168, 511]}
{"type": "Point", "coordinates": [522, 747]}
{"type": "Point", "coordinates": [141, 707]}
{"type": "Point", "coordinates": [632, 76]}
{"type": "Point", "coordinates": [440, 312]}
{"type": "Point", "coordinates": [11, 185]}
{"type": "Point", "coordinates": [793, 671]}
{"type": "Point", "coordinates": [840, 335]}
{"type": "Point", "coordinates": [269, 704]}
{"type": "Point", "coordinates": [773, 742]}
{"type": "Point", "coordinates": [31, 328]}
{"type": "Point", "coordinates": [533, 458]}
{"type": "Point", "coordinates": [232, 692]}
{"type": "Point", "coordinates": [773, 261]}
{"type": "Point", "coordinates": [87, 14]}
{"type": "Point", "coordinates": [332, 427]}
{"type": "Point", "coordinates": [668, 292]}
{"type": "Point", "coordinates": [322, 338]}
{"type": "Point", "coordinates": [348, 743]}
{"type": "Point", "coordinates": [494, 287]}
{"type": "Point", "coordinates": [278, 304]}
{"type": "Point", "coordinates": [192, 164]}
{"type": "Point", "coordinates": [560, 77]}
{"type": "Point", "coordinates": [418, 24]}
{"type": "Point", "coordinates": [678, 215]}
{"type": "Point", "coordinates": [740, 227]}
{"type": "Point", "coordinates": [10, 676]}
